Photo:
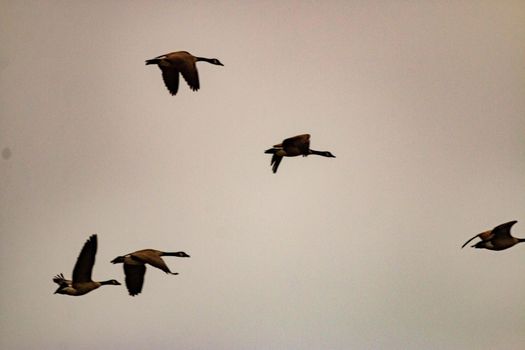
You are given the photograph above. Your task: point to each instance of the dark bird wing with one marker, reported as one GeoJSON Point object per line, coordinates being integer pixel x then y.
{"type": "Point", "coordinates": [276, 160]}
{"type": "Point", "coordinates": [170, 76]}
{"type": "Point", "coordinates": [503, 230]}
{"type": "Point", "coordinates": [297, 140]}
{"type": "Point", "coordinates": [189, 71]}
{"type": "Point", "coordinates": [467, 242]}
{"type": "Point", "coordinates": [134, 278]}
{"type": "Point", "coordinates": [85, 261]}
{"type": "Point", "coordinates": [484, 236]}
{"type": "Point", "coordinates": [301, 142]}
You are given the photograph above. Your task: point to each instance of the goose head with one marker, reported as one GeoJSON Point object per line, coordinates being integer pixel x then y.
{"type": "Point", "coordinates": [216, 62]}
{"type": "Point", "coordinates": [181, 255]}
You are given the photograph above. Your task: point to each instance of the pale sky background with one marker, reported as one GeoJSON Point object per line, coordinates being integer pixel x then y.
{"type": "Point", "coordinates": [422, 102]}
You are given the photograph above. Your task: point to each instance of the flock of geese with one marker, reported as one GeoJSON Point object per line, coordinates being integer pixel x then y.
{"type": "Point", "coordinates": [134, 269]}
{"type": "Point", "coordinates": [184, 63]}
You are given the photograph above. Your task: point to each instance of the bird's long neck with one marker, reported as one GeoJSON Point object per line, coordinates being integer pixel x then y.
{"type": "Point", "coordinates": [173, 254]}
{"type": "Point", "coordinates": [521, 240]}
{"type": "Point", "coordinates": [102, 283]}
{"type": "Point", "coordinates": [209, 60]}
{"type": "Point", "coordinates": [319, 153]}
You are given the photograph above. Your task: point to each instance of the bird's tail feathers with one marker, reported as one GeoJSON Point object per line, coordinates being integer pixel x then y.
{"type": "Point", "coordinates": [59, 278]}
{"type": "Point", "coordinates": [152, 61]}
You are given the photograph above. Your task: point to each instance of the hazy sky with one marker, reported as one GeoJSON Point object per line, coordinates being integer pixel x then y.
{"type": "Point", "coordinates": [422, 102]}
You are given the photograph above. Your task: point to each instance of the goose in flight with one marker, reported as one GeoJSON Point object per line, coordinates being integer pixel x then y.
{"type": "Point", "coordinates": [499, 238]}
{"type": "Point", "coordinates": [292, 147]}
{"type": "Point", "coordinates": [181, 62]}
{"type": "Point", "coordinates": [135, 266]}
{"type": "Point", "coordinates": [82, 282]}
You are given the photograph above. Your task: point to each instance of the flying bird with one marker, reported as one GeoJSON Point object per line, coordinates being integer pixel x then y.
{"type": "Point", "coordinates": [135, 266]}
{"type": "Point", "coordinates": [499, 238]}
{"type": "Point", "coordinates": [82, 282]}
{"type": "Point", "coordinates": [292, 147]}
{"type": "Point", "coordinates": [181, 62]}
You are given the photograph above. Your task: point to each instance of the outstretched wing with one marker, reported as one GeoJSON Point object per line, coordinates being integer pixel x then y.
{"type": "Point", "coordinates": [299, 141]}
{"type": "Point", "coordinates": [484, 236]}
{"type": "Point", "coordinates": [85, 261]}
{"type": "Point", "coordinates": [297, 145]}
{"type": "Point", "coordinates": [134, 278]}
{"type": "Point", "coordinates": [467, 242]}
{"type": "Point", "coordinates": [503, 230]}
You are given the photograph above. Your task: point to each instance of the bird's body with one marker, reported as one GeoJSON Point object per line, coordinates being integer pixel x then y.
{"type": "Point", "coordinates": [135, 266]}
{"type": "Point", "coordinates": [181, 62]}
{"type": "Point", "coordinates": [82, 283]}
{"type": "Point", "coordinates": [292, 147]}
{"type": "Point", "coordinates": [75, 289]}
{"type": "Point", "coordinates": [499, 238]}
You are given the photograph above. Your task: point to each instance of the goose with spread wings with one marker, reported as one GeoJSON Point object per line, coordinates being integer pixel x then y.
{"type": "Point", "coordinates": [499, 238]}
{"type": "Point", "coordinates": [135, 266]}
{"type": "Point", "coordinates": [82, 283]}
{"type": "Point", "coordinates": [292, 147]}
{"type": "Point", "coordinates": [182, 62]}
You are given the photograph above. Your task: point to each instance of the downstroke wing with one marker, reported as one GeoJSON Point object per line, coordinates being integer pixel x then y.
{"type": "Point", "coordinates": [191, 75]}
{"type": "Point", "coordinates": [171, 79]}
{"type": "Point", "coordinates": [276, 160]}
{"type": "Point", "coordinates": [134, 278]}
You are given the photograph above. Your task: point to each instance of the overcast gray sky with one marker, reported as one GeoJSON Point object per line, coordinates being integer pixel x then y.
{"type": "Point", "coordinates": [422, 102]}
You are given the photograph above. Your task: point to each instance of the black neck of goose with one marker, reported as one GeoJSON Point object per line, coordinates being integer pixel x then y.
{"type": "Point", "coordinates": [521, 240]}
{"type": "Point", "coordinates": [319, 153]}
{"type": "Point", "coordinates": [106, 282]}
{"type": "Point", "coordinates": [209, 60]}
{"type": "Point", "coordinates": [179, 254]}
